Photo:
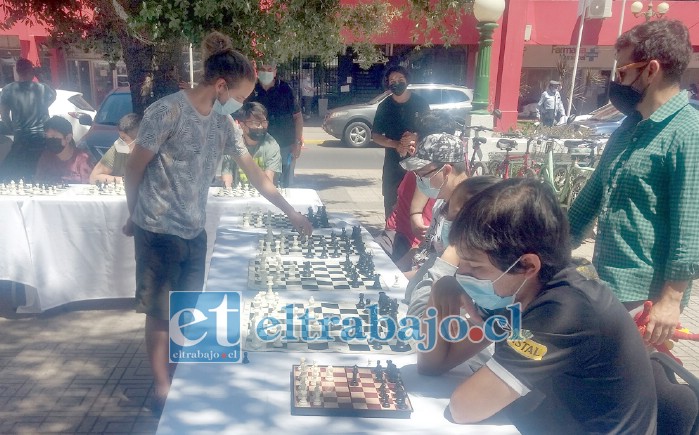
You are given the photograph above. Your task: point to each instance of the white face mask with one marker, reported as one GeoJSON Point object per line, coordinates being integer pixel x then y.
{"type": "Point", "coordinates": [266, 77]}
{"type": "Point", "coordinates": [122, 147]}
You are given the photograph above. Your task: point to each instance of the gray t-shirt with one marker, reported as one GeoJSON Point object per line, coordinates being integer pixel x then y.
{"type": "Point", "coordinates": [266, 154]}
{"type": "Point", "coordinates": [187, 146]}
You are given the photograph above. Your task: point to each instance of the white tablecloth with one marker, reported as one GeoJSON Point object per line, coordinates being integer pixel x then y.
{"type": "Point", "coordinates": [255, 398]}
{"type": "Point", "coordinates": [70, 247]}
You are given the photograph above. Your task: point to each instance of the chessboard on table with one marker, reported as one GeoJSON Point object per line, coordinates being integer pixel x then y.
{"type": "Point", "coordinates": [318, 245]}
{"type": "Point", "coordinates": [239, 191]}
{"type": "Point", "coordinates": [346, 394]}
{"type": "Point", "coordinates": [21, 188]}
{"type": "Point", "coordinates": [314, 275]}
{"type": "Point", "coordinates": [267, 304]}
{"type": "Point", "coordinates": [281, 222]}
{"type": "Point", "coordinates": [103, 188]}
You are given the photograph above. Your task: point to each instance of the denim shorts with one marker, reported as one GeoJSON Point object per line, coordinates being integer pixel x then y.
{"type": "Point", "coordinates": [166, 263]}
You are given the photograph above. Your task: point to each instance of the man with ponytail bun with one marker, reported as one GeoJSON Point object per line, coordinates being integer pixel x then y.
{"type": "Point", "coordinates": [181, 139]}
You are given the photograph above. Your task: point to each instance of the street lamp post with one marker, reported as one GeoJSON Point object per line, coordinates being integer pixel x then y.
{"type": "Point", "coordinates": [637, 10]}
{"type": "Point", "coordinates": [487, 12]}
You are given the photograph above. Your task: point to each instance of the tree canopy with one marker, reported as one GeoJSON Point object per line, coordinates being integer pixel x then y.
{"type": "Point", "coordinates": [149, 34]}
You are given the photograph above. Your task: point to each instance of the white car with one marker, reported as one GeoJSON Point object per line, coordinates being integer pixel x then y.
{"type": "Point", "coordinates": [69, 105]}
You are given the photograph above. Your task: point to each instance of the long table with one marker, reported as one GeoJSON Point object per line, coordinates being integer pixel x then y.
{"type": "Point", "coordinates": [69, 247]}
{"type": "Point", "coordinates": [254, 398]}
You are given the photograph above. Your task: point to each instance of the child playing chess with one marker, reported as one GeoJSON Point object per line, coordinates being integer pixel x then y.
{"type": "Point", "coordinates": [576, 363]}
{"type": "Point", "coordinates": [181, 138]}
{"type": "Point", "coordinates": [445, 263]}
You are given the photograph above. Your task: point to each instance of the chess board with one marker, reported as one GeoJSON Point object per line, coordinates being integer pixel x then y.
{"type": "Point", "coordinates": [281, 222]}
{"type": "Point", "coordinates": [333, 341]}
{"type": "Point", "coordinates": [22, 189]}
{"type": "Point", "coordinates": [237, 192]}
{"type": "Point", "coordinates": [300, 248]}
{"type": "Point", "coordinates": [341, 399]}
{"type": "Point", "coordinates": [106, 189]}
{"type": "Point", "coordinates": [326, 274]}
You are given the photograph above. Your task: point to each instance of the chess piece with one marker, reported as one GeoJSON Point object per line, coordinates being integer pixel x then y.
{"type": "Point", "coordinates": [317, 396]}
{"type": "Point", "coordinates": [355, 373]}
{"type": "Point", "coordinates": [245, 358]}
{"type": "Point", "coordinates": [361, 304]}
{"type": "Point", "coordinates": [396, 283]}
{"type": "Point", "coordinates": [329, 374]}
{"type": "Point", "coordinates": [377, 282]}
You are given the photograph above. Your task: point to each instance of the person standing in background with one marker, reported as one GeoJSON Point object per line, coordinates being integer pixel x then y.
{"type": "Point", "coordinates": [550, 105]}
{"type": "Point", "coordinates": [307, 94]}
{"type": "Point", "coordinates": [394, 128]}
{"type": "Point", "coordinates": [24, 108]}
{"type": "Point", "coordinates": [284, 114]}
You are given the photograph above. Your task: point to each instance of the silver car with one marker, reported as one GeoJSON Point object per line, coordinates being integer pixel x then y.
{"type": "Point", "coordinates": [352, 124]}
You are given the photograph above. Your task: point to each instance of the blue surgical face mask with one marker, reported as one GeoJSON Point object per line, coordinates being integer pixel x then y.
{"type": "Point", "coordinates": [444, 234]}
{"type": "Point", "coordinates": [265, 77]}
{"type": "Point", "coordinates": [483, 293]}
{"type": "Point", "coordinates": [230, 106]}
{"type": "Point", "coordinates": [424, 185]}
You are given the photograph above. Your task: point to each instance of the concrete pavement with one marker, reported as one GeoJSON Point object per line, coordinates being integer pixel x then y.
{"type": "Point", "coordinates": [82, 368]}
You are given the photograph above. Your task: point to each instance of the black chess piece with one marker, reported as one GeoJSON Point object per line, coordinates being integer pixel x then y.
{"type": "Point", "coordinates": [245, 358]}
{"type": "Point", "coordinates": [355, 280]}
{"type": "Point", "coordinates": [309, 250]}
{"type": "Point", "coordinates": [324, 252]}
{"type": "Point", "coordinates": [378, 366]}
{"type": "Point", "coordinates": [368, 302]}
{"type": "Point", "coordinates": [377, 282]}
{"type": "Point", "coordinates": [376, 345]}
{"type": "Point", "coordinates": [336, 249]}
{"type": "Point", "coordinates": [383, 303]}
{"type": "Point", "coordinates": [361, 304]}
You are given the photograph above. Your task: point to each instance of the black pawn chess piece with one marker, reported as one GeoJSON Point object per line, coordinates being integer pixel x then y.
{"type": "Point", "coordinates": [309, 251]}
{"type": "Point", "coordinates": [336, 249]}
{"type": "Point", "coordinates": [324, 252]}
{"type": "Point", "coordinates": [245, 358]}
{"type": "Point", "coordinates": [355, 280]}
{"type": "Point", "coordinates": [361, 304]}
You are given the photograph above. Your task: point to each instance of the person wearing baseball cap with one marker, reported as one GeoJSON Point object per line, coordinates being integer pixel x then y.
{"type": "Point", "coordinates": [439, 166]}
{"type": "Point", "coordinates": [550, 105]}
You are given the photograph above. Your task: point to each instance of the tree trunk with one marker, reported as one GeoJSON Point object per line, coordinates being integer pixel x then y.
{"type": "Point", "coordinates": [138, 57]}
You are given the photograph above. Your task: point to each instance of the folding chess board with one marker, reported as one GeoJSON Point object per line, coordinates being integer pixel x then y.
{"type": "Point", "coordinates": [340, 398]}
{"type": "Point", "coordinates": [21, 189]}
{"type": "Point", "coordinates": [332, 339]}
{"type": "Point", "coordinates": [321, 245]}
{"type": "Point", "coordinates": [327, 274]}
{"type": "Point", "coordinates": [237, 192]}
{"type": "Point", "coordinates": [108, 189]}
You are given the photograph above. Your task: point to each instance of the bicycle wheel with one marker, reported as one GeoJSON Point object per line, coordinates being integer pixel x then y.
{"type": "Point", "coordinates": [479, 168]}
{"type": "Point", "coordinates": [560, 175]}
{"type": "Point", "coordinates": [502, 171]}
{"type": "Point", "coordinates": [575, 189]}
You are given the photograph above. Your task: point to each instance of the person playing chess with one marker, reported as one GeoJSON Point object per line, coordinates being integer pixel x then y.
{"type": "Point", "coordinates": [181, 138]}
{"type": "Point", "coordinates": [61, 162]}
{"type": "Point", "coordinates": [110, 168]}
{"type": "Point", "coordinates": [252, 118]}
{"type": "Point", "coordinates": [574, 361]}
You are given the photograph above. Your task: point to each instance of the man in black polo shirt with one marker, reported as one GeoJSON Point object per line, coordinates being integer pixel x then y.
{"type": "Point", "coordinates": [395, 124]}
{"type": "Point", "coordinates": [574, 362]}
{"type": "Point", "coordinates": [284, 114]}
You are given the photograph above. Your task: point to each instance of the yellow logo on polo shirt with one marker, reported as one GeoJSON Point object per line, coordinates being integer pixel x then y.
{"type": "Point", "coordinates": [528, 348]}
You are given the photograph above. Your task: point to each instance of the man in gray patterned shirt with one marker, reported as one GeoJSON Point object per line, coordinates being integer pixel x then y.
{"type": "Point", "coordinates": [180, 141]}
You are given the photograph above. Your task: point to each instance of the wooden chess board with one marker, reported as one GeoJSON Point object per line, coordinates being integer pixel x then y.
{"type": "Point", "coordinates": [340, 398]}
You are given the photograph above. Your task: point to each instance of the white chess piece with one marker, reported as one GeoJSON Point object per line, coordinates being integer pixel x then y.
{"type": "Point", "coordinates": [317, 396]}
{"type": "Point", "coordinates": [396, 283]}
{"type": "Point", "coordinates": [311, 303]}
{"type": "Point", "coordinates": [330, 374]}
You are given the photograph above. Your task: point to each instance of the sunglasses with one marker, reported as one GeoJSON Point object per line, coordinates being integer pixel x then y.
{"type": "Point", "coordinates": [623, 70]}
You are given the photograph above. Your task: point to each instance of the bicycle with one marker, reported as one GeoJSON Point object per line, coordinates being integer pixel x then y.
{"type": "Point", "coordinates": [586, 149]}
{"type": "Point", "coordinates": [473, 167]}
{"type": "Point", "coordinates": [503, 169]}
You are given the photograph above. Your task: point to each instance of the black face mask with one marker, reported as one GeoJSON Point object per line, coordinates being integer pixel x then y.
{"type": "Point", "coordinates": [398, 88]}
{"type": "Point", "coordinates": [257, 134]}
{"type": "Point", "coordinates": [54, 145]}
{"type": "Point", "coordinates": [624, 97]}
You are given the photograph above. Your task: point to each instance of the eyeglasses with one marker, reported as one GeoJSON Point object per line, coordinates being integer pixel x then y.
{"type": "Point", "coordinates": [622, 70]}
{"type": "Point", "coordinates": [256, 123]}
{"type": "Point", "coordinates": [428, 176]}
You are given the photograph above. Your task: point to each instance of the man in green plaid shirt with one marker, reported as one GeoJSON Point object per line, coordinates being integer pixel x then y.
{"type": "Point", "coordinates": [645, 190]}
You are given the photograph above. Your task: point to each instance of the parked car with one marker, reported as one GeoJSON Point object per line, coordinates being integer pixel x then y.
{"type": "Point", "coordinates": [353, 123]}
{"type": "Point", "coordinates": [606, 119]}
{"type": "Point", "coordinates": [71, 106]}
{"type": "Point", "coordinates": [103, 128]}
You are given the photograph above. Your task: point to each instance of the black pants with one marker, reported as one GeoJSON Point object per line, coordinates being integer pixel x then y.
{"type": "Point", "coordinates": [23, 157]}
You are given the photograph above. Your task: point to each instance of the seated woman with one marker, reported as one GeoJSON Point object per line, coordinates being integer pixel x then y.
{"type": "Point", "coordinates": [110, 168]}
{"type": "Point", "coordinates": [568, 357]}
{"type": "Point", "coordinates": [62, 162]}
{"type": "Point", "coordinates": [252, 118]}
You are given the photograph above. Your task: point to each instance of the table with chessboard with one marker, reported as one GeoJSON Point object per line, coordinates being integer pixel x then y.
{"type": "Point", "coordinates": [349, 391]}
{"type": "Point", "coordinates": [263, 394]}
